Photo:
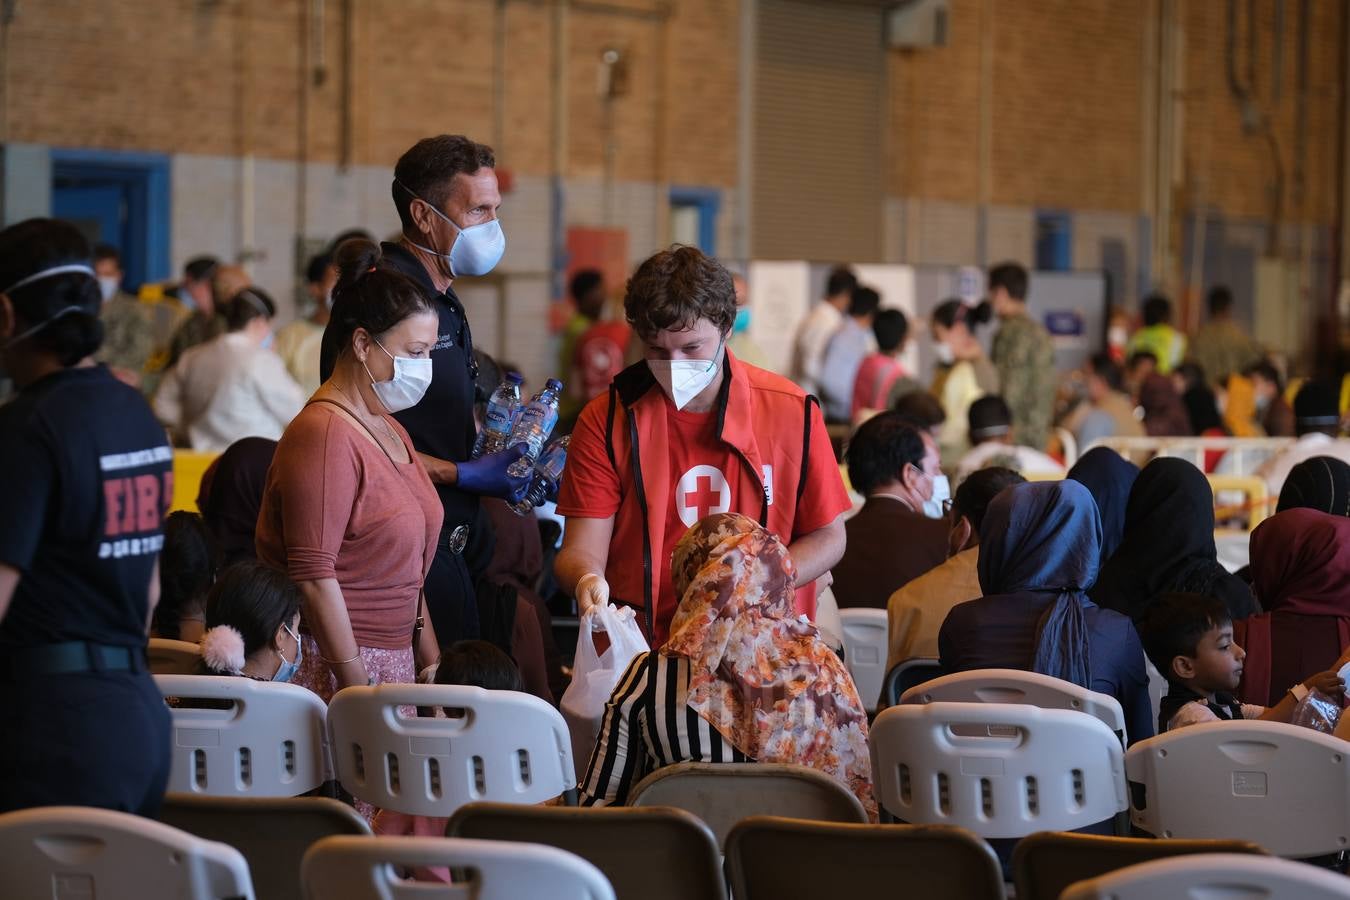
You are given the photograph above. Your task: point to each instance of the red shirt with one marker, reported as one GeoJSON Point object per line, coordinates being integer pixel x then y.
{"type": "Point", "coordinates": [872, 386]}
{"type": "Point", "coordinates": [599, 357]}
{"type": "Point", "coordinates": [698, 473]}
{"type": "Point", "coordinates": [758, 428]}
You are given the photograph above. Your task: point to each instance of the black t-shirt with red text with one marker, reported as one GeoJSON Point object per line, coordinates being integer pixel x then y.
{"type": "Point", "coordinates": [86, 477]}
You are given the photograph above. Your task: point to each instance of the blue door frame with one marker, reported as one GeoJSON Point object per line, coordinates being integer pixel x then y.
{"type": "Point", "coordinates": [708, 201]}
{"type": "Point", "coordinates": [124, 197]}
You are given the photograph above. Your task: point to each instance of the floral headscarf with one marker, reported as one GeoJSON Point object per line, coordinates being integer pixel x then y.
{"type": "Point", "coordinates": [759, 675]}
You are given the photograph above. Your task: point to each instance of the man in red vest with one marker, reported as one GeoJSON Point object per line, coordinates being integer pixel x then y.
{"type": "Point", "coordinates": [687, 432]}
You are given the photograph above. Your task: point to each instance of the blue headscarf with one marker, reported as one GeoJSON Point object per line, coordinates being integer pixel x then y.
{"type": "Point", "coordinates": [1045, 538]}
{"type": "Point", "coordinates": [1108, 477]}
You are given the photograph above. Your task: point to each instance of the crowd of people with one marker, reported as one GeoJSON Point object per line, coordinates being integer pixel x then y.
{"type": "Point", "coordinates": [346, 533]}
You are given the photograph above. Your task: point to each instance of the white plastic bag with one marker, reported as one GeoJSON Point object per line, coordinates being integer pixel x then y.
{"type": "Point", "coordinates": [595, 675]}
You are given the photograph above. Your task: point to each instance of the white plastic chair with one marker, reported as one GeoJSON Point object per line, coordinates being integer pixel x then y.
{"type": "Point", "coordinates": [1001, 770]}
{"type": "Point", "coordinates": [507, 747]}
{"type": "Point", "coordinates": [271, 743]}
{"type": "Point", "coordinates": [1277, 785]}
{"type": "Point", "coordinates": [169, 657]}
{"type": "Point", "coordinates": [865, 649]}
{"type": "Point", "coordinates": [1017, 686]}
{"type": "Point", "coordinates": [82, 852]}
{"type": "Point", "coordinates": [1215, 876]}
{"type": "Point", "coordinates": [356, 868]}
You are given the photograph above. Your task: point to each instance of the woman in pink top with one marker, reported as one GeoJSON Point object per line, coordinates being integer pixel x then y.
{"type": "Point", "coordinates": [348, 510]}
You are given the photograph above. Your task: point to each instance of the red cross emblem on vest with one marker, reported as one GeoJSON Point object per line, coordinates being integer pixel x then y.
{"type": "Point", "coordinates": [703, 491]}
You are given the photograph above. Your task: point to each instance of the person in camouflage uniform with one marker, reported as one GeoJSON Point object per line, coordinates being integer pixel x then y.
{"type": "Point", "coordinates": [127, 341]}
{"type": "Point", "coordinates": [1024, 357]}
{"type": "Point", "coordinates": [209, 290]}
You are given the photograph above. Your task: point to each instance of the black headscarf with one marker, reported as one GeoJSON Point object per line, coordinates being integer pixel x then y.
{"type": "Point", "coordinates": [1108, 476]}
{"type": "Point", "coordinates": [1202, 409]}
{"type": "Point", "coordinates": [232, 496]}
{"type": "Point", "coordinates": [1321, 483]}
{"type": "Point", "coordinates": [1045, 538]}
{"type": "Point", "coordinates": [1168, 545]}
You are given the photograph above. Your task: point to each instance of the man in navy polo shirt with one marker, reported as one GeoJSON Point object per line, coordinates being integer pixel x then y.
{"type": "Point", "coordinates": [445, 191]}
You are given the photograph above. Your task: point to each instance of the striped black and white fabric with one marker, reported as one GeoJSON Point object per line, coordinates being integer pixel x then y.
{"type": "Point", "coordinates": [648, 725]}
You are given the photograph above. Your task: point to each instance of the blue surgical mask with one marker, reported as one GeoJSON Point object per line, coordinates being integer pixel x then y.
{"type": "Point", "coordinates": [267, 341]}
{"type": "Point", "coordinates": [742, 323]}
{"type": "Point", "coordinates": [286, 671]}
{"type": "Point", "coordinates": [476, 251]}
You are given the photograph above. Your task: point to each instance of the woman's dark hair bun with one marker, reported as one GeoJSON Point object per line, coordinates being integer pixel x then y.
{"type": "Point", "coordinates": [367, 295]}
{"type": "Point", "coordinates": [953, 310]}
{"type": "Point", "coordinates": [980, 314]}
{"type": "Point", "coordinates": [354, 258]}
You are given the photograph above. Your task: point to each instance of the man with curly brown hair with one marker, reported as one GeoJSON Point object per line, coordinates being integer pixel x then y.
{"type": "Point", "coordinates": [687, 432]}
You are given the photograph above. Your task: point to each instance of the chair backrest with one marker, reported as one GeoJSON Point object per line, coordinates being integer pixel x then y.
{"type": "Point", "coordinates": [865, 648]}
{"type": "Point", "coordinates": [1001, 770]}
{"type": "Point", "coordinates": [77, 851]}
{"type": "Point", "coordinates": [270, 742]}
{"type": "Point", "coordinates": [1215, 875]}
{"type": "Point", "coordinates": [1017, 686]}
{"type": "Point", "coordinates": [873, 861]}
{"type": "Point", "coordinates": [906, 674]}
{"type": "Point", "coordinates": [652, 853]}
{"type": "Point", "coordinates": [272, 833]}
{"type": "Point", "coordinates": [721, 794]}
{"type": "Point", "coordinates": [168, 657]}
{"type": "Point", "coordinates": [1046, 863]}
{"type": "Point", "coordinates": [360, 868]}
{"type": "Point", "coordinates": [1281, 786]}
{"type": "Point", "coordinates": [506, 746]}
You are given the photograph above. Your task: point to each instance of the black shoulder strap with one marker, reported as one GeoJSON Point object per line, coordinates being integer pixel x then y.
{"type": "Point", "coordinates": [806, 444]}
{"type": "Point", "coordinates": [609, 427]}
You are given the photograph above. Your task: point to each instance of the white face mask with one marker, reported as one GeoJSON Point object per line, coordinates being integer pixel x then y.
{"type": "Point", "coordinates": [409, 385]}
{"type": "Point", "coordinates": [685, 379]}
{"type": "Point", "coordinates": [108, 285]}
{"type": "Point", "coordinates": [945, 355]}
{"type": "Point", "coordinates": [942, 491]}
{"type": "Point", "coordinates": [1117, 336]}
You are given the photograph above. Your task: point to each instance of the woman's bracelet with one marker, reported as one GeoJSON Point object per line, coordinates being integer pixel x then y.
{"type": "Point", "coordinates": [340, 662]}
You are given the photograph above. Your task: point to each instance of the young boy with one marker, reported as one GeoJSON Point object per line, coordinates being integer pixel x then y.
{"type": "Point", "coordinates": [1189, 637]}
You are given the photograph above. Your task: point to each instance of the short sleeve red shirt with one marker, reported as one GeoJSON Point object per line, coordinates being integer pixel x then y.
{"type": "Point", "coordinates": [704, 475]}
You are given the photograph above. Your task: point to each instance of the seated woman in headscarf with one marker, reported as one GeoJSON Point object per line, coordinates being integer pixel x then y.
{"type": "Point", "coordinates": [1321, 483]}
{"type": "Point", "coordinates": [1108, 476]}
{"type": "Point", "coordinates": [741, 679]}
{"type": "Point", "coordinates": [231, 495]}
{"type": "Point", "coordinates": [1168, 545]}
{"type": "Point", "coordinates": [1301, 572]}
{"type": "Point", "coordinates": [1039, 547]}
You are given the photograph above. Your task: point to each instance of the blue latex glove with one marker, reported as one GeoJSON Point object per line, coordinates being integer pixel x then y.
{"type": "Point", "coordinates": [487, 475]}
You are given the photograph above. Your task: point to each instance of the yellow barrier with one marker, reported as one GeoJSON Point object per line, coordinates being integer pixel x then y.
{"type": "Point", "coordinates": [188, 468]}
{"type": "Point", "coordinates": [1256, 505]}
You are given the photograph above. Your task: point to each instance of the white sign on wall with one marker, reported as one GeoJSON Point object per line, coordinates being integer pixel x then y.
{"type": "Point", "coordinates": [895, 284]}
{"type": "Point", "coordinates": [780, 296]}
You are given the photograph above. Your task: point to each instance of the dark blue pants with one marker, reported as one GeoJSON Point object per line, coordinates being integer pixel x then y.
{"type": "Point", "coordinates": [88, 739]}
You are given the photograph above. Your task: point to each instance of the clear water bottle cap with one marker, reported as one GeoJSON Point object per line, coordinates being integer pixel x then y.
{"type": "Point", "coordinates": [554, 385]}
{"type": "Point", "coordinates": [515, 377]}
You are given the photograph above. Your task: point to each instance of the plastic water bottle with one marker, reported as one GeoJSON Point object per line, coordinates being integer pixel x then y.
{"type": "Point", "coordinates": [502, 407]}
{"type": "Point", "coordinates": [548, 471]}
{"type": "Point", "coordinates": [534, 425]}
